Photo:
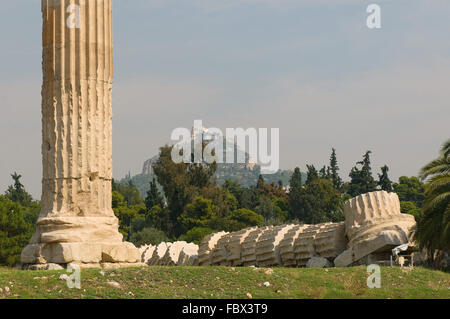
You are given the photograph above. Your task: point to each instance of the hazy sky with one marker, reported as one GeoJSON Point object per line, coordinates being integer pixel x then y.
{"type": "Point", "coordinates": [309, 67]}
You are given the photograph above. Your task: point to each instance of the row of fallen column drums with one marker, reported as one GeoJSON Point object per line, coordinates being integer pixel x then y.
{"type": "Point", "coordinates": [179, 253]}
{"type": "Point", "coordinates": [287, 245]}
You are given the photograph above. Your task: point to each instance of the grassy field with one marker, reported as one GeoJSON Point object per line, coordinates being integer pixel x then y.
{"type": "Point", "coordinates": [222, 282]}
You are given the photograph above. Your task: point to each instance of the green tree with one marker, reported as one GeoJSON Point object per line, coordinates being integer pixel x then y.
{"type": "Point", "coordinates": [17, 192]}
{"type": "Point", "coordinates": [383, 179]}
{"type": "Point", "coordinates": [15, 232]}
{"type": "Point", "coordinates": [159, 218]}
{"type": "Point", "coordinates": [295, 183]}
{"type": "Point", "coordinates": [243, 218]}
{"type": "Point", "coordinates": [433, 227]}
{"type": "Point", "coordinates": [318, 202]}
{"type": "Point", "coordinates": [129, 191]}
{"type": "Point", "coordinates": [312, 174]}
{"type": "Point", "coordinates": [361, 179]}
{"type": "Point", "coordinates": [154, 196]}
{"type": "Point", "coordinates": [295, 191]}
{"type": "Point", "coordinates": [334, 171]}
{"type": "Point", "coordinates": [410, 189]}
{"type": "Point", "coordinates": [199, 213]}
{"type": "Point", "coordinates": [126, 213]}
{"type": "Point", "coordinates": [410, 208]}
{"type": "Point", "coordinates": [181, 182]}
{"type": "Point", "coordinates": [260, 184]}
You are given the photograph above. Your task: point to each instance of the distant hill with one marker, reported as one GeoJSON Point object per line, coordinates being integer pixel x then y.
{"type": "Point", "coordinates": [244, 174]}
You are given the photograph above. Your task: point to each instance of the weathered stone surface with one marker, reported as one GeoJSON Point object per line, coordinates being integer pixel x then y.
{"type": "Point", "coordinates": [287, 245]}
{"type": "Point", "coordinates": [76, 221]}
{"type": "Point", "coordinates": [369, 214]}
{"type": "Point", "coordinates": [147, 253]}
{"type": "Point", "coordinates": [158, 254]}
{"type": "Point", "coordinates": [304, 244]}
{"type": "Point", "coordinates": [61, 253]}
{"type": "Point", "coordinates": [172, 254]}
{"type": "Point", "coordinates": [207, 246]}
{"type": "Point", "coordinates": [188, 255]}
{"type": "Point", "coordinates": [249, 246]}
{"type": "Point", "coordinates": [383, 242]}
{"type": "Point", "coordinates": [318, 262]}
{"type": "Point", "coordinates": [120, 252]}
{"type": "Point", "coordinates": [268, 246]}
{"type": "Point", "coordinates": [234, 247]}
{"type": "Point", "coordinates": [219, 254]}
{"type": "Point", "coordinates": [330, 240]}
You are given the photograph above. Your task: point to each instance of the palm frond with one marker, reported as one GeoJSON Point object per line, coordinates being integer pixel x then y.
{"type": "Point", "coordinates": [446, 149]}
{"type": "Point", "coordinates": [440, 165]}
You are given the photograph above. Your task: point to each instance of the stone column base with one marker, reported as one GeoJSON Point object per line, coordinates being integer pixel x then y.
{"type": "Point", "coordinates": [81, 253]}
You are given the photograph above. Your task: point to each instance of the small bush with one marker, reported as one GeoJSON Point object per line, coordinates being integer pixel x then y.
{"type": "Point", "coordinates": [196, 234]}
{"type": "Point", "coordinates": [148, 236]}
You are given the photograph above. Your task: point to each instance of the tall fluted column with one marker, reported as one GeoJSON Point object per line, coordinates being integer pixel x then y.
{"type": "Point", "coordinates": [77, 223]}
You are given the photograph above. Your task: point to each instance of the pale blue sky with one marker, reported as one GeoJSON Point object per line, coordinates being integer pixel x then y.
{"type": "Point", "coordinates": [311, 68]}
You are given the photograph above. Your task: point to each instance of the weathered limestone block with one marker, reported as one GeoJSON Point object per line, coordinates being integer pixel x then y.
{"type": "Point", "coordinates": [304, 244]}
{"type": "Point", "coordinates": [330, 240]}
{"type": "Point", "coordinates": [249, 246]}
{"type": "Point", "coordinates": [219, 254]}
{"type": "Point", "coordinates": [173, 253]}
{"type": "Point", "coordinates": [120, 252]}
{"type": "Point", "coordinates": [383, 242]}
{"type": "Point", "coordinates": [207, 246]}
{"type": "Point", "coordinates": [76, 222]}
{"type": "Point", "coordinates": [234, 247]}
{"type": "Point", "coordinates": [268, 246]}
{"type": "Point", "coordinates": [142, 249]}
{"type": "Point", "coordinates": [147, 253]}
{"type": "Point", "coordinates": [188, 255]}
{"type": "Point", "coordinates": [369, 214]}
{"type": "Point", "coordinates": [61, 253]}
{"type": "Point", "coordinates": [158, 254]}
{"type": "Point", "coordinates": [318, 262]}
{"type": "Point", "coordinates": [287, 246]}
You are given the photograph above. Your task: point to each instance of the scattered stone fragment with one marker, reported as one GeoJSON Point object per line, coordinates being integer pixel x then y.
{"type": "Point", "coordinates": [114, 284]}
{"type": "Point", "coordinates": [318, 262]}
